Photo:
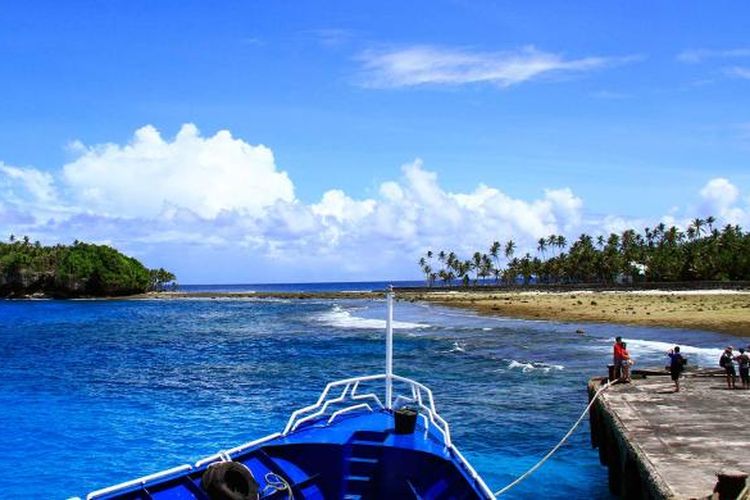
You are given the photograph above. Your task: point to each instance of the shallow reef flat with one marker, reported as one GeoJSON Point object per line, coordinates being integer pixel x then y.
{"type": "Point", "coordinates": [713, 310]}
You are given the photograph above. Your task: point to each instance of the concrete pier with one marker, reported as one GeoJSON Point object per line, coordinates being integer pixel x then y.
{"type": "Point", "coordinates": [660, 444]}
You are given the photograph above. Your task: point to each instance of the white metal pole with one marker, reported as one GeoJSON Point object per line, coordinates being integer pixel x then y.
{"type": "Point", "coordinates": [389, 350]}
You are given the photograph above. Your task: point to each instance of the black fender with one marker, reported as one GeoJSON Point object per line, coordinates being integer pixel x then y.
{"type": "Point", "coordinates": [229, 481]}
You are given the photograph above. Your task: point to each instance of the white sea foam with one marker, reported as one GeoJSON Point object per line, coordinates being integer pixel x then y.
{"type": "Point", "coordinates": [458, 347]}
{"type": "Point", "coordinates": [341, 318]}
{"type": "Point", "coordinates": [532, 366]}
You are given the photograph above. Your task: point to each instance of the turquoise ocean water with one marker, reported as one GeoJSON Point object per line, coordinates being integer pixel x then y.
{"type": "Point", "coordinates": [95, 392]}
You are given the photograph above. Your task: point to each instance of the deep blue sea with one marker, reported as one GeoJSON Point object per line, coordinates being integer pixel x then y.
{"type": "Point", "coordinates": [94, 392]}
{"type": "Point", "coordinates": [347, 286]}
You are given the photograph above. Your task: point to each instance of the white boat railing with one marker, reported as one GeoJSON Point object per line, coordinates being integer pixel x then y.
{"type": "Point", "coordinates": [343, 395]}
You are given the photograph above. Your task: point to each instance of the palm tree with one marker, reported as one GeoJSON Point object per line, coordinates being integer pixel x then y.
{"type": "Point", "coordinates": [495, 253]}
{"type": "Point", "coordinates": [510, 248]}
{"type": "Point", "coordinates": [427, 270]}
{"type": "Point", "coordinates": [710, 221]}
{"type": "Point", "coordinates": [698, 225]}
{"type": "Point", "coordinates": [485, 267]}
{"type": "Point", "coordinates": [464, 270]}
{"type": "Point", "coordinates": [541, 245]}
{"type": "Point", "coordinates": [659, 253]}
{"type": "Point", "coordinates": [495, 249]}
{"type": "Point", "coordinates": [476, 264]}
{"type": "Point", "coordinates": [551, 241]}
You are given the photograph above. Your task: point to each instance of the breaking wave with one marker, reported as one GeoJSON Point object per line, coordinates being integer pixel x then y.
{"type": "Point", "coordinates": [341, 318]}
{"type": "Point", "coordinates": [533, 366]}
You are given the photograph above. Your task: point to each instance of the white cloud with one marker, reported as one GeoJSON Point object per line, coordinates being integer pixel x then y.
{"type": "Point", "coordinates": [719, 193]}
{"type": "Point", "coordinates": [150, 174]}
{"type": "Point", "coordinates": [223, 194]}
{"type": "Point", "coordinates": [158, 198]}
{"type": "Point", "coordinates": [425, 64]}
{"type": "Point", "coordinates": [338, 206]}
{"type": "Point", "coordinates": [719, 198]}
{"type": "Point", "coordinates": [27, 184]}
{"type": "Point", "coordinates": [694, 56]}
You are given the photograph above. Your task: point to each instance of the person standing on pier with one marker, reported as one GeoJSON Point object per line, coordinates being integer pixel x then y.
{"type": "Point", "coordinates": [743, 360]}
{"type": "Point", "coordinates": [617, 357]}
{"type": "Point", "coordinates": [726, 362]}
{"type": "Point", "coordinates": [627, 362]}
{"type": "Point", "coordinates": [676, 365]}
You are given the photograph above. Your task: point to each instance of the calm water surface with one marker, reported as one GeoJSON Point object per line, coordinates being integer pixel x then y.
{"type": "Point", "coordinates": [97, 392]}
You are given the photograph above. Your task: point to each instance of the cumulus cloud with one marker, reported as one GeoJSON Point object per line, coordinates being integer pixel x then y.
{"type": "Point", "coordinates": [221, 202]}
{"type": "Point", "coordinates": [150, 174]}
{"type": "Point", "coordinates": [719, 198]}
{"type": "Point", "coordinates": [426, 64]}
{"type": "Point", "coordinates": [219, 193]}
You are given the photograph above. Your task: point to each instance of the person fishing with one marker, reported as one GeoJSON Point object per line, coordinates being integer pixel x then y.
{"type": "Point", "coordinates": [676, 366]}
{"type": "Point", "coordinates": [726, 362]}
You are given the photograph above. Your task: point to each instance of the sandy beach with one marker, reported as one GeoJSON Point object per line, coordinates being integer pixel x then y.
{"type": "Point", "coordinates": [715, 310]}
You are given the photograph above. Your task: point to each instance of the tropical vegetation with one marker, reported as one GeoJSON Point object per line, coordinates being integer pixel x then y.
{"type": "Point", "coordinates": [659, 254]}
{"type": "Point", "coordinates": [77, 270]}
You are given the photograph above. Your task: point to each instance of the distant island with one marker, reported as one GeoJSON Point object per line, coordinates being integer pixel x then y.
{"type": "Point", "coordinates": [79, 270]}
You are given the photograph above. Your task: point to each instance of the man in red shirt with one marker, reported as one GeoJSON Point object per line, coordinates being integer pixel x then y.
{"type": "Point", "coordinates": [618, 357]}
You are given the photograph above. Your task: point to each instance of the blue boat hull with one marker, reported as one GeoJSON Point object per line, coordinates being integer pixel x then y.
{"type": "Point", "coordinates": [358, 456]}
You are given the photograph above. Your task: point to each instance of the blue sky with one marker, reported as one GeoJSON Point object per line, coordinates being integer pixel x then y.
{"type": "Point", "coordinates": [386, 128]}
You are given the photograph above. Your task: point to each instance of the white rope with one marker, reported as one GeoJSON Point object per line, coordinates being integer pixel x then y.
{"type": "Point", "coordinates": [275, 483]}
{"type": "Point", "coordinates": [557, 446]}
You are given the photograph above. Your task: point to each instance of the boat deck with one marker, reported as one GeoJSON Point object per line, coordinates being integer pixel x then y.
{"type": "Point", "coordinates": [421, 440]}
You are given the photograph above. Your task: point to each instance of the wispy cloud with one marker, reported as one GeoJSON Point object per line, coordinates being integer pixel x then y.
{"type": "Point", "coordinates": [694, 56]}
{"type": "Point", "coordinates": [430, 65]}
{"type": "Point", "coordinates": [739, 71]}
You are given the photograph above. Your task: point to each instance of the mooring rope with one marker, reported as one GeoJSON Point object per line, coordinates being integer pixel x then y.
{"type": "Point", "coordinates": [557, 446]}
{"type": "Point", "coordinates": [275, 483]}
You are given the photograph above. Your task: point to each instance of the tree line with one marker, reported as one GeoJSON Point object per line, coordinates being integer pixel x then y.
{"type": "Point", "coordinates": [658, 254]}
{"type": "Point", "coordinates": [77, 270]}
